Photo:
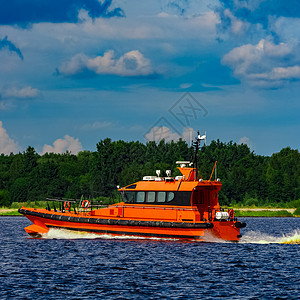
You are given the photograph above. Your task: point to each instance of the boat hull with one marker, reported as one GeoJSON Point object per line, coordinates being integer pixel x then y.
{"type": "Point", "coordinates": [43, 220]}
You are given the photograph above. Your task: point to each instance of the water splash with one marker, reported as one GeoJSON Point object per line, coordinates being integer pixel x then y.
{"type": "Point", "coordinates": [254, 237]}
{"type": "Point", "coordinates": [58, 233]}
{"type": "Point", "coordinates": [210, 238]}
{"type": "Point", "coordinates": [294, 239]}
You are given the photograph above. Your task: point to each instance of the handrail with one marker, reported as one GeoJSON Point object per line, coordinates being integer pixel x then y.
{"type": "Point", "coordinates": [62, 200]}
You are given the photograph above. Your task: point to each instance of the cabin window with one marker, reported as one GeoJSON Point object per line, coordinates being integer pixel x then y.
{"type": "Point", "coordinates": [133, 186]}
{"type": "Point", "coordinates": [161, 197]}
{"type": "Point", "coordinates": [128, 197]}
{"type": "Point", "coordinates": [170, 196]}
{"type": "Point", "coordinates": [150, 197]}
{"type": "Point", "coordinates": [140, 197]}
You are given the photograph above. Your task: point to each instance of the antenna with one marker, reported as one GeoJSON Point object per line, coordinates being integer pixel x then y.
{"type": "Point", "coordinates": [215, 165]}
{"type": "Point", "coordinates": [216, 173]}
{"type": "Point", "coordinates": [196, 145]}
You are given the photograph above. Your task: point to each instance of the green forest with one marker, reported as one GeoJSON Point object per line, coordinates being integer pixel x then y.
{"type": "Point", "coordinates": [247, 178]}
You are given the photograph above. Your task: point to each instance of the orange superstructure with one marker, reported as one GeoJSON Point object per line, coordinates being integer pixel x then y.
{"type": "Point", "coordinates": [184, 207]}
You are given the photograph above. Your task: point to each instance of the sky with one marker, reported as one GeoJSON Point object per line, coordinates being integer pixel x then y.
{"type": "Point", "coordinates": [74, 72]}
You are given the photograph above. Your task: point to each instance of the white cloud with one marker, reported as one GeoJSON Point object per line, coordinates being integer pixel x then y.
{"type": "Point", "coordinates": [246, 141]}
{"type": "Point", "coordinates": [188, 134]}
{"type": "Point", "coordinates": [22, 93]}
{"type": "Point", "coordinates": [68, 143]}
{"type": "Point", "coordinates": [185, 85]}
{"type": "Point", "coordinates": [237, 26]}
{"type": "Point", "coordinates": [7, 145]}
{"type": "Point", "coordinates": [161, 26]}
{"type": "Point", "coordinates": [157, 134]}
{"type": "Point", "coordinates": [265, 64]}
{"type": "Point", "coordinates": [280, 73]}
{"type": "Point", "coordinates": [132, 63]}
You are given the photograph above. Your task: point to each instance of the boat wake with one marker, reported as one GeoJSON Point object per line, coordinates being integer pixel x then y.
{"type": "Point", "coordinates": [251, 237]}
{"type": "Point", "coordinates": [64, 234]}
{"type": "Point", "coordinates": [254, 237]}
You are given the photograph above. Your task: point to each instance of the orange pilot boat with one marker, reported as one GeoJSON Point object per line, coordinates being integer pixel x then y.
{"type": "Point", "coordinates": [184, 207]}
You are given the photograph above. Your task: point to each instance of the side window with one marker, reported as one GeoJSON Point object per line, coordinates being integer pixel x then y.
{"type": "Point", "coordinates": [128, 197]}
{"type": "Point", "coordinates": [161, 197]}
{"type": "Point", "coordinates": [140, 197]}
{"type": "Point", "coordinates": [150, 197]}
{"type": "Point", "coordinates": [133, 186]}
{"type": "Point", "coordinates": [170, 196]}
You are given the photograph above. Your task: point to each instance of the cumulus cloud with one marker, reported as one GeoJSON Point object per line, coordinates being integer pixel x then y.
{"type": "Point", "coordinates": [266, 63]}
{"type": "Point", "coordinates": [258, 11]}
{"type": "Point", "coordinates": [246, 141]}
{"type": "Point", "coordinates": [7, 145]}
{"type": "Point", "coordinates": [132, 63]}
{"type": "Point", "coordinates": [68, 143]}
{"type": "Point", "coordinates": [24, 12]}
{"type": "Point", "coordinates": [255, 19]}
{"type": "Point", "coordinates": [230, 24]}
{"type": "Point", "coordinates": [158, 133]}
{"type": "Point", "coordinates": [6, 44]}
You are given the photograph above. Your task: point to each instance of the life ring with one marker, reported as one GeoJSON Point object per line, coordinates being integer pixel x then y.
{"type": "Point", "coordinates": [67, 205]}
{"type": "Point", "coordinates": [231, 213]}
{"type": "Point", "coordinates": [85, 204]}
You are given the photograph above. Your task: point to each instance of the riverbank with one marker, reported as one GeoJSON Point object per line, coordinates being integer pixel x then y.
{"type": "Point", "coordinates": [9, 212]}
{"type": "Point", "coordinates": [239, 212]}
{"type": "Point", "coordinates": [264, 212]}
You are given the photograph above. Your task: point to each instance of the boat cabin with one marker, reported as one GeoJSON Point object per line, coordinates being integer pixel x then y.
{"type": "Point", "coordinates": [182, 191]}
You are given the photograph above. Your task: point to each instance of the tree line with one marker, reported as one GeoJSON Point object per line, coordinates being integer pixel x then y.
{"type": "Point", "coordinates": [247, 178]}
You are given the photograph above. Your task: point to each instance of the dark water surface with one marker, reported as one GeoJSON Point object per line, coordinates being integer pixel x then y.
{"type": "Point", "coordinates": [80, 267]}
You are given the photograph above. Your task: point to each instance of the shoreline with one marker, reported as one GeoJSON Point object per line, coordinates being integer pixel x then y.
{"type": "Point", "coordinates": [240, 212]}
{"type": "Point", "coordinates": [291, 210]}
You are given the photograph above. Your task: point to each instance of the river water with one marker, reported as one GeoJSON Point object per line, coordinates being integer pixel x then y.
{"type": "Point", "coordinates": [265, 264]}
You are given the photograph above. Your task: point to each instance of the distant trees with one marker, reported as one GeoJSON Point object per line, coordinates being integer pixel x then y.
{"type": "Point", "coordinates": [246, 177]}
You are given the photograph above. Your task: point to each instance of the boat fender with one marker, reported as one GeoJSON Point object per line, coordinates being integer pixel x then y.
{"type": "Point", "coordinates": [240, 224]}
{"type": "Point", "coordinates": [93, 221]}
{"type": "Point", "coordinates": [160, 224]}
{"type": "Point", "coordinates": [231, 213]}
{"type": "Point", "coordinates": [85, 204]}
{"type": "Point", "coordinates": [67, 205]}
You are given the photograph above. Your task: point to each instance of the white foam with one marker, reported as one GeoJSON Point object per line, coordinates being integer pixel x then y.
{"type": "Point", "coordinates": [250, 237]}
{"type": "Point", "coordinates": [256, 237]}
{"type": "Point", "coordinates": [58, 233]}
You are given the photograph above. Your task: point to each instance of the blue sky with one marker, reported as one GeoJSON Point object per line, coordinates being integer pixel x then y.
{"type": "Point", "coordinates": [74, 72]}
